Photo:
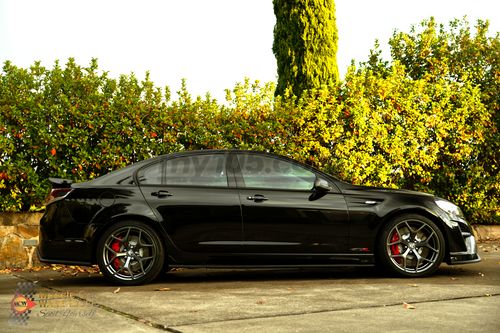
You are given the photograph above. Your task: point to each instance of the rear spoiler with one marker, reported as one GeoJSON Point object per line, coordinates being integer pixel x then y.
{"type": "Point", "coordinates": [60, 183]}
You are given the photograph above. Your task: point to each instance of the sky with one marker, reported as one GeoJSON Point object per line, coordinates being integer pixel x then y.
{"type": "Point", "coordinates": [212, 44]}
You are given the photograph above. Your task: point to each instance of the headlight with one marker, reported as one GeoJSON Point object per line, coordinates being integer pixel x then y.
{"type": "Point", "coordinates": [453, 210]}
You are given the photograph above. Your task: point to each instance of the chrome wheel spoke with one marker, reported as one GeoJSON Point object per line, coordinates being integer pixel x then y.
{"type": "Point", "coordinates": [141, 243]}
{"type": "Point", "coordinates": [410, 229]}
{"type": "Point", "coordinates": [426, 245]}
{"type": "Point", "coordinates": [419, 260]}
{"type": "Point", "coordinates": [116, 254]}
{"type": "Point", "coordinates": [117, 238]}
{"type": "Point", "coordinates": [127, 235]}
{"type": "Point", "coordinates": [399, 233]}
{"type": "Point", "coordinates": [428, 260]}
{"type": "Point", "coordinates": [127, 263]}
{"type": "Point", "coordinates": [421, 227]}
{"type": "Point", "coordinates": [140, 264]}
{"type": "Point", "coordinates": [119, 269]}
{"type": "Point", "coordinates": [427, 242]}
{"type": "Point", "coordinates": [405, 258]}
{"type": "Point", "coordinates": [127, 266]}
{"type": "Point", "coordinates": [430, 236]}
{"type": "Point", "coordinates": [111, 261]}
{"type": "Point", "coordinates": [109, 249]}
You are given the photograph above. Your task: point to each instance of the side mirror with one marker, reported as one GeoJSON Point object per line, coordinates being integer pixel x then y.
{"type": "Point", "coordinates": [322, 185]}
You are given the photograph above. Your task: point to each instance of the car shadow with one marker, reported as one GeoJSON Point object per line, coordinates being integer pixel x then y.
{"type": "Point", "coordinates": [184, 276]}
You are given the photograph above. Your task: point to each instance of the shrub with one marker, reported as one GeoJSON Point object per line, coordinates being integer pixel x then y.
{"type": "Point", "coordinates": [384, 125]}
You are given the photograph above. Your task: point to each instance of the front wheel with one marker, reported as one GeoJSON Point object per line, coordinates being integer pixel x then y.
{"type": "Point", "coordinates": [130, 253]}
{"type": "Point", "coordinates": [411, 245]}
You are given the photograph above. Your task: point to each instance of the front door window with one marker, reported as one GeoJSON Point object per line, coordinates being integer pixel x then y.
{"type": "Point", "coordinates": [268, 172]}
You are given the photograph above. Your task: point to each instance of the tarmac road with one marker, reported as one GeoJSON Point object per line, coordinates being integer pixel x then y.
{"type": "Point", "coordinates": [463, 298]}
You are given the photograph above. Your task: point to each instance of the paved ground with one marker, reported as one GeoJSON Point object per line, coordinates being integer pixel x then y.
{"type": "Point", "coordinates": [457, 299]}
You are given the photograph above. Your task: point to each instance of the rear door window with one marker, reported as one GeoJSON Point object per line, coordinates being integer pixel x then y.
{"type": "Point", "coordinates": [151, 175]}
{"type": "Point", "coordinates": [197, 170]}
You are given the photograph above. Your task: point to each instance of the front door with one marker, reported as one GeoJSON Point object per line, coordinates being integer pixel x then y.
{"type": "Point", "coordinates": [279, 214]}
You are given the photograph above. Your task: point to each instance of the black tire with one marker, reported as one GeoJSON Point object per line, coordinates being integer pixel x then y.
{"type": "Point", "coordinates": [130, 253]}
{"type": "Point", "coordinates": [410, 245]}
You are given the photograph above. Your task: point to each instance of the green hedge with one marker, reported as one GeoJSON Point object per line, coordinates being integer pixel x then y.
{"type": "Point", "coordinates": [394, 131]}
{"type": "Point", "coordinates": [380, 126]}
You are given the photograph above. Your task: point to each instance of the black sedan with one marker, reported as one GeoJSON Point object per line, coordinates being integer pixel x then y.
{"type": "Point", "coordinates": [230, 208]}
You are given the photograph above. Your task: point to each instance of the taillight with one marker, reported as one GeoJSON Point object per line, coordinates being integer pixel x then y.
{"type": "Point", "coordinates": [57, 193]}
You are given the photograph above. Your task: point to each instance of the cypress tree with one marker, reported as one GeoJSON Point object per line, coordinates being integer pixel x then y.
{"type": "Point", "coordinates": [305, 44]}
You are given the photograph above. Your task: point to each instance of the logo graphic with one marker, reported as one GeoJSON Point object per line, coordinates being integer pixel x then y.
{"type": "Point", "coordinates": [22, 303]}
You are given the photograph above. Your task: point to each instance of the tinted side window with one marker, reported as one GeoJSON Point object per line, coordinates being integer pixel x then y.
{"type": "Point", "coordinates": [151, 175]}
{"type": "Point", "coordinates": [198, 170]}
{"type": "Point", "coordinates": [273, 173]}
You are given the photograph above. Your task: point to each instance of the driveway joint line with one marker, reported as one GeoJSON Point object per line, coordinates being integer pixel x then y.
{"type": "Point", "coordinates": [336, 310]}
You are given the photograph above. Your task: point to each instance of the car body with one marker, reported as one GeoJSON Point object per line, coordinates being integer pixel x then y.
{"type": "Point", "coordinates": [232, 208]}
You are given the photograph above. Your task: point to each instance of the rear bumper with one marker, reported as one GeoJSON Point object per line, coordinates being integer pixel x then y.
{"type": "Point", "coordinates": [60, 238]}
{"type": "Point", "coordinates": [60, 261]}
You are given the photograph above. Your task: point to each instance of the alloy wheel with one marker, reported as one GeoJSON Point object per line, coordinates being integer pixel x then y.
{"type": "Point", "coordinates": [414, 246]}
{"type": "Point", "coordinates": [129, 253]}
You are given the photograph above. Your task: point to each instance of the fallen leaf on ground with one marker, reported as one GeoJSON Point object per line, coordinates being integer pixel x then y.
{"type": "Point", "coordinates": [116, 291]}
{"type": "Point", "coordinates": [408, 306]}
{"type": "Point", "coordinates": [413, 285]}
{"type": "Point", "coordinates": [162, 289]}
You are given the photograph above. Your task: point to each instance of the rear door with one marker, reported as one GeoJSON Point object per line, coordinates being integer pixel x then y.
{"type": "Point", "coordinates": [196, 200]}
{"type": "Point", "coordinates": [279, 215]}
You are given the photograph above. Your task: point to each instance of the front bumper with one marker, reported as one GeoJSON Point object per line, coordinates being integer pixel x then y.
{"type": "Point", "coordinates": [466, 257]}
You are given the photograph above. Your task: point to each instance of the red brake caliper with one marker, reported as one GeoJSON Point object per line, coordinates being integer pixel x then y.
{"type": "Point", "coordinates": [116, 247]}
{"type": "Point", "coordinates": [395, 247]}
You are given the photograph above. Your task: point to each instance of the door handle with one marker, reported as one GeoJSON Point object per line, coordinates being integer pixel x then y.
{"type": "Point", "coordinates": [162, 194]}
{"type": "Point", "coordinates": [257, 198]}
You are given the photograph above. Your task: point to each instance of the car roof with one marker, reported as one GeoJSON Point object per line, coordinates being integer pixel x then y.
{"type": "Point", "coordinates": [125, 174]}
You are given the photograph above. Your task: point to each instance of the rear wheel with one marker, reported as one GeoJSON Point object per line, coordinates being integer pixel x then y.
{"type": "Point", "coordinates": [411, 245]}
{"type": "Point", "coordinates": [130, 253]}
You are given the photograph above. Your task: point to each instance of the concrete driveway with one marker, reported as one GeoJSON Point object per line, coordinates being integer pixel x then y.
{"type": "Point", "coordinates": [457, 299]}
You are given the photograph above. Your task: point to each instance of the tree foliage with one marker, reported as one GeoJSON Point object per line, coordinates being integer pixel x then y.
{"type": "Point", "coordinates": [305, 44]}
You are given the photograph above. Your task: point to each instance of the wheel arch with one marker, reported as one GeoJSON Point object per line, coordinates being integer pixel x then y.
{"type": "Point", "coordinates": [101, 228]}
